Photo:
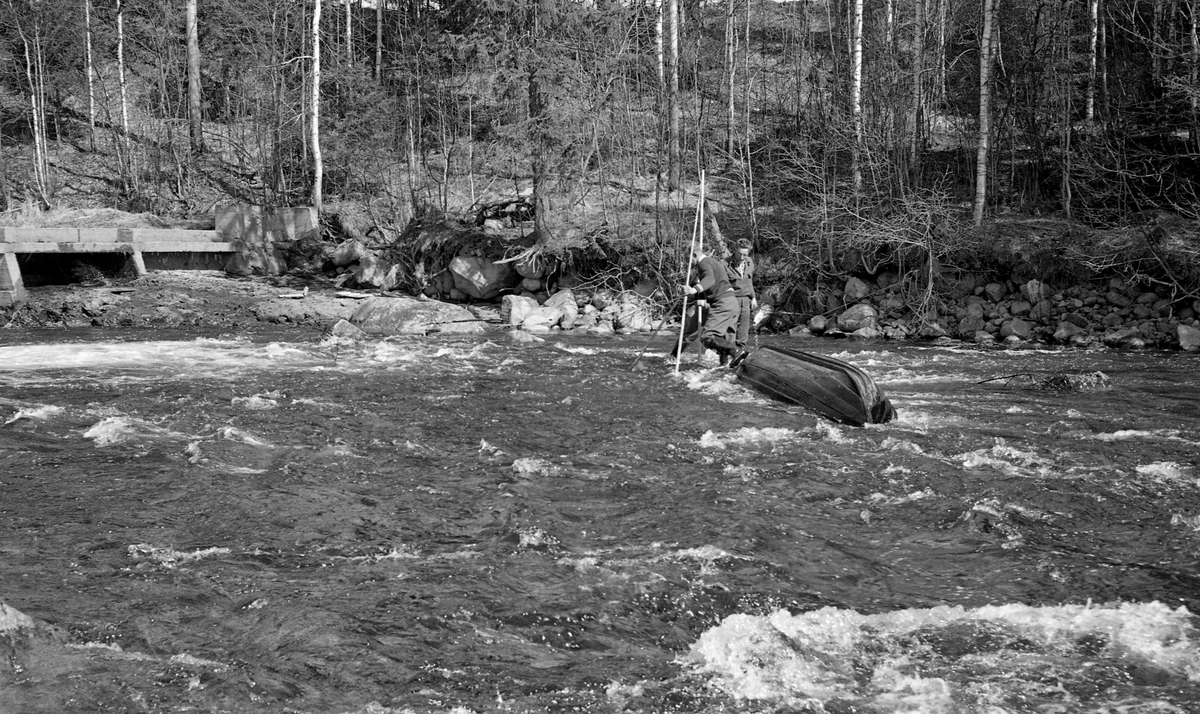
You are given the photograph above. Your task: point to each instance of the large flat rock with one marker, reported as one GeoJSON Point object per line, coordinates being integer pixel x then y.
{"type": "Point", "coordinates": [409, 316]}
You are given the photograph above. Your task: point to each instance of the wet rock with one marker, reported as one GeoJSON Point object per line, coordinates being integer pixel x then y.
{"type": "Point", "coordinates": [1112, 319]}
{"type": "Point", "coordinates": [1189, 338]}
{"type": "Point", "coordinates": [887, 279]}
{"type": "Point", "coordinates": [933, 330]}
{"type": "Point", "coordinates": [890, 304]}
{"type": "Point", "coordinates": [480, 277]}
{"type": "Point", "coordinates": [1115, 298]}
{"type": "Point", "coordinates": [564, 301]}
{"type": "Point", "coordinates": [1122, 338]}
{"type": "Point", "coordinates": [1075, 319]}
{"type": "Point", "coordinates": [855, 290]}
{"type": "Point", "coordinates": [633, 313]}
{"type": "Point", "coordinates": [871, 332]}
{"type": "Point", "coordinates": [896, 330]}
{"type": "Point", "coordinates": [373, 272]}
{"type": "Point", "coordinates": [348, 253]}
{"type": "Point", "coordinates": [342, 332]}
{"type": "Point", "coordinates": [818, 324]}
{"type": "Point", "coordinates": [995, 291]}
{"type": "Point", "coordinates": [970, 326]}
{"type": "Point", "coordinates": [541, 319]}
{"type": "Point", "coordinates": [1016, 327]}
{"type": "Point", "coordinates": [1034, 291]}
{"type": "Point", "coordinates": [858, 317]}
{"type": "Point", "coordinates": [1042, 310]}
{"type": "Point", "coordinates": [408, 316]}
{"type": "Point", "coordinates": [514, 308]}
{"type": "Point", "coordinates": [522, 337]}
{"type": "Point", "coordinates": [1068, 333]}
{"type": "Point", "coordinates": [602, 299]}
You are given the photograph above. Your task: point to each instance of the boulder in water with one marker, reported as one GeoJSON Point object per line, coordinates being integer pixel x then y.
{"type": "Point", "coordinates": [408, 316]}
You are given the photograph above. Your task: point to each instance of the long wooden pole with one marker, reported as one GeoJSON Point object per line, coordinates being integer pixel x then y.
{"type": "Point", "coordinates": [697, 234]}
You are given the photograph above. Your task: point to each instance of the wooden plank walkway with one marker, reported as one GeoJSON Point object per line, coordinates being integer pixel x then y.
{"type": "Point", "coordinates": [133, 241]}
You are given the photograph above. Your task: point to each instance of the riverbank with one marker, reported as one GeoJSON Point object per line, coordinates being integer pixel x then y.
{"type": "Point", "coordinates": [210, 300]}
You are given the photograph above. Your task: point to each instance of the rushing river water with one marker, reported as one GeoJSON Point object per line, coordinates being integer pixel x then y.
{"type": "Point", "coordinates": [477, 525]}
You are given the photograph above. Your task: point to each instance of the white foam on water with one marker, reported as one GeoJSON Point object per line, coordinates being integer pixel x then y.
{"type": "Point", "coordinates": [117, 429]}
{"type": "Point", "coordinates": [531, 466]}
{"type": "Point", "coordinates": [576, 350]}
{"type": "Point", "coordinates": [41, 412]}
{"type": "Point", "coordinates": [891, 443]}
{"type": "Point", "coordinates": [832, 433]}
{"type": "Point", "coordinates": [946, 659]}
{"type": "Point", "coordinates": [884, 499]}
{"type": "Point", "coordinates": [1193, 522]}
{"type": "Point", "coordinates": [1007, 459]}
{"type": "Point", "coordinates": [232, 433]}
{"type": "Point", "coordinates": [1167, 472]}
{"type": "Point", "coordinates": [169, 557]}
{"type": "Point", "coordinates": [746, 436]}
{"type": "Point", "coordinates": [1153, 434]}
{"type": "Point", "coordinates": [222, 359]}
{"type": "Point", "coordinates": [258, 402]}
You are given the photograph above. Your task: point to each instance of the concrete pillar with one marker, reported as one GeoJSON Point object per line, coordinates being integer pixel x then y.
{"type": "Point", "coordinates": [12, 287]}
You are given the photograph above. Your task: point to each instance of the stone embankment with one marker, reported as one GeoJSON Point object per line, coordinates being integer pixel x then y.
{"type": "Point", "coordinates": [1116, 315]}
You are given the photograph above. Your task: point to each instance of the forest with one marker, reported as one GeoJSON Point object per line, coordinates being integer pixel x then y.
{"type": "Point", "coordinates": [928, 138]}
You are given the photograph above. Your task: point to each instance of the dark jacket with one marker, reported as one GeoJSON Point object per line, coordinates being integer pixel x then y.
{"type": "Point", "coordinates": [713, 279]}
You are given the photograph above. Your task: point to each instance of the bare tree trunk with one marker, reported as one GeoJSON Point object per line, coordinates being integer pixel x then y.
{"type": "Point", "coordinates": [917, 112]}
{"type": "Point", "coordinates": [731, 73]}
{"type": "Point", "coordinates": [674, 145]}
{"type": "Point", "coordinates": [195, 120]}
{"type": "Point", "coordinates": [660, 45]}
{"type": "Point", "coordinates": [349, 37]}
{"type": "Point", "coordinates": [1066, 80]}
{"type": "Point", "coordinates": [91, 72]}
{"type": "Point", "coordinates": [378, 40]}
{"type": "Point", "coordinates": [1156, 43]}
{"type": "Point", "coordinates": [1103, 57]}
{"type": "Point", "coordinates": [315, 109]}
{"type": "Point", "coordinates": [130, 176]}
{"type": "Point", "coordinates": [1194, 72]}
{"type": "Point", "coordinates": [37, 105]}
{"type": "Point", "coordinates": [1093, 41]}
{"type": "Point", "coordinates": [985, 108]}
{"type": "Point", "coordinates": [939, 88]}
{"type": "Point", "coordinates": [856, 60]}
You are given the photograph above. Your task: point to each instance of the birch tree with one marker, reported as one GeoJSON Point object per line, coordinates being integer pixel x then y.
{"type": "Point", "coordinates": [1093, 42]}
{"type": "Point", "coordinates": [90, 70]}
{"type": "Point", "coordinates": [985, 108]}
{"type": "Point", "coordinates": [856, 62]}
{"type": "Point", "coordinates": [126, 159]}
{"type": "Point", "coordinates": [674, 114]}
{"type": "Point", "coordinates": [315, 109]}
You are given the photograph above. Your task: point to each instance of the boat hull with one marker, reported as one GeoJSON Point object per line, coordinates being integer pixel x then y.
{"type": "Point", "coordinates": [830, 387]}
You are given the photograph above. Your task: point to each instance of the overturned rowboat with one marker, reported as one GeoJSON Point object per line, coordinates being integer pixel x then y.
{"type": "Point", "coordinates": [830, 387]}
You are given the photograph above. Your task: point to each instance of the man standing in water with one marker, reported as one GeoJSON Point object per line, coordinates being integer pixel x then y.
{"type": "Point", "coordinates": [719, 324]}
{"type": "Point", "coordinates": [741, 276]}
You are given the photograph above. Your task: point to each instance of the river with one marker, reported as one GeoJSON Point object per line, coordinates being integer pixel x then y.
{"type": "Point", "coordinates": [274, 524]}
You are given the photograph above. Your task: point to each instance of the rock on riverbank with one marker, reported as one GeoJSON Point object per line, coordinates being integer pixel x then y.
{"type": "Point", "coordinates": [1115, 314]}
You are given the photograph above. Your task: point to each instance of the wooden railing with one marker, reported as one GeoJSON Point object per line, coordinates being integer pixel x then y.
{"type": "Point", "coordinates": [133, 241]}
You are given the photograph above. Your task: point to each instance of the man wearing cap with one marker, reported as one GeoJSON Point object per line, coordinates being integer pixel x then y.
{"type": "Point", "coordinates": [720, 323]}
{"type": "Point", "coordinates": [741, 276]}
